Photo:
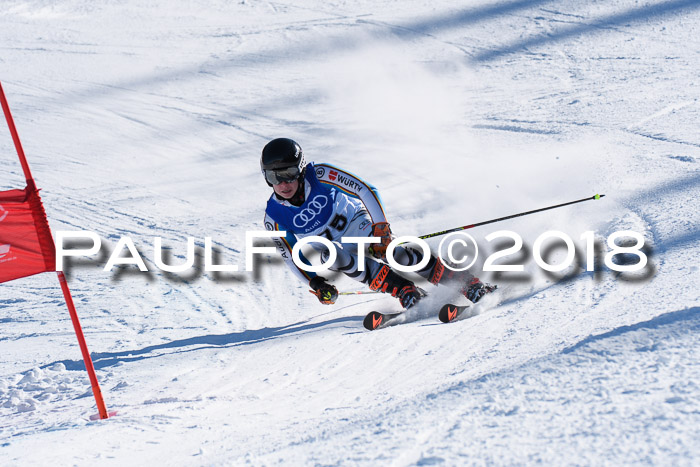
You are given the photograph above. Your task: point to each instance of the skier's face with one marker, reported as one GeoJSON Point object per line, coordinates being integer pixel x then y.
{"type": "Point", "coordinates": [286, 189]}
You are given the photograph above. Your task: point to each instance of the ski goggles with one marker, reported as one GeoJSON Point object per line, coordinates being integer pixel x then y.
{"type": "Point", "coordinates": [277, 176]}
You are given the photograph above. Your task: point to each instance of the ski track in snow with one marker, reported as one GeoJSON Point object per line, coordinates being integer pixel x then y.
{"type": "Point", "coordinates": [146, 120]}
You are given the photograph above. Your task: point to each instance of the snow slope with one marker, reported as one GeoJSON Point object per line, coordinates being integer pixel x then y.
{"type": "Point", "coordinates": [147, 119]}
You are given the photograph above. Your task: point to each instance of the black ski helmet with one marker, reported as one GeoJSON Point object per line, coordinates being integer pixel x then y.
{"type": "Point", "coordinates": [282, 160]}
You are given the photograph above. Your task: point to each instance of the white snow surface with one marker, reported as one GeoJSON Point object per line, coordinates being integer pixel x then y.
{"type": "Point", "coordinates": [146, 119]}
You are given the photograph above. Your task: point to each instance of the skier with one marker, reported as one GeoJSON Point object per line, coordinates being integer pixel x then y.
{"type": "Point", "coordinates": [323, 200]}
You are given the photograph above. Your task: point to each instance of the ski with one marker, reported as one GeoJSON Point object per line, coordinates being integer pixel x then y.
{"type": "Point", "coordinates": [375, 319]}
{"type": "Point", "coordinates": [449, 312]}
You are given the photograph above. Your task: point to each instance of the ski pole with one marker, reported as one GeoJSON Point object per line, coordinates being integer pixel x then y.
{"type": "Point", "coordinates": [359, 292]}
{"type": "Point", "coordinates": [465, 227]}
{"type": "Point", "coordinates": [478, 224]}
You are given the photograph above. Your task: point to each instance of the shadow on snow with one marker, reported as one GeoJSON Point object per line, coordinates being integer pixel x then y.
{"type": "Point", "coordinates": [690, 316]}
{"type": "Point", "coordinates": [210, 341]}
{"type": "Point", "coordinates": [423, 27]}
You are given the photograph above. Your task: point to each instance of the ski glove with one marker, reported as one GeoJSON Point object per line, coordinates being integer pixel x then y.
{"type": "Point", "coordinates": [325, 292]}
{"type": "Point", "coordinates": [383, 231]}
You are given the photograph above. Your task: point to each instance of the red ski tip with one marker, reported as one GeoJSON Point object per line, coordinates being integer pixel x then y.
{"type": "Point", "coordinates": [449, 312]}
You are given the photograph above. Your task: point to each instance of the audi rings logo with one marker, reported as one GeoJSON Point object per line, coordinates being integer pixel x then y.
{"type": "Point", "coordinates": [310, 211]}
{"type": "Point", "coordinates": [3, 213]}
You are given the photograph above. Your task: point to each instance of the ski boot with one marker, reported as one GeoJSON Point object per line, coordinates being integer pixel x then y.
{"type": "Point", "coordinates": [387, 281]}
{"type": "Point", "coordinates": [475, 290]}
